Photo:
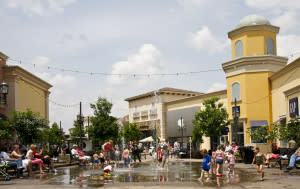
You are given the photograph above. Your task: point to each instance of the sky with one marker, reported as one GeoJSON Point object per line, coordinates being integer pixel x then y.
{"type": "Point", "coordinates": [131, 37]}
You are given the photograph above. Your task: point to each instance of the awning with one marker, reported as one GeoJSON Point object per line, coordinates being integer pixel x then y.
{"type": "Point", "coordinates": [257, 123]}
{"type": "Point", "coordinates": [279, 120]}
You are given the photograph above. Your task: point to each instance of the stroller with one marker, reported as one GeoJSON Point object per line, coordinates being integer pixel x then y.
{"type": "Point", "coordinates": [3, 167]}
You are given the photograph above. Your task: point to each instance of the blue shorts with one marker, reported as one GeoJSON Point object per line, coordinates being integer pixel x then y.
{"type": "Point", "coordinates": [96, 161]}
{"type": "Point", "coordinates": [219, 161]}
{"type": "Point", "coordinates": [205, 169]}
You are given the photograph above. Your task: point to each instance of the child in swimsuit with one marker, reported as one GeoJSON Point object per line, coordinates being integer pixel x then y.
{"type": "Point", "coordinates": [95, 160]}
{"type": "Point", "coordinates": [220, 156]}
{"type": "Point", "coordinates": [259, 160]}
{"type": "Point", "coordinates": [205, 165]}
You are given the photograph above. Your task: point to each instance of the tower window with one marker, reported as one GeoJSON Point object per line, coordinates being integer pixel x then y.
{"type": "Point", "coordinates": [238, 48]}
{"type": "Point", "coordinates": [236, 91]}
{"type": "Point", "coordinates": [270, 46]}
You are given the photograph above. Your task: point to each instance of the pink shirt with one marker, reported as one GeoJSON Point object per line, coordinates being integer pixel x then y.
{"type": "Point", "coordinates": [231, 159]}
{"type": "Point", "coordinates": [219, 154]}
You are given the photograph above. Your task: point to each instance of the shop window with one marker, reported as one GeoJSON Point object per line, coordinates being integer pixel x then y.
{"type": "Point", "coordinates": [257, 140]}
{"type": "Point", "coordinates": [238, 48]}
{"type": "Point", "coordinates": [236, 91]}
{"type": "Point", "coordinates": [270, 46]}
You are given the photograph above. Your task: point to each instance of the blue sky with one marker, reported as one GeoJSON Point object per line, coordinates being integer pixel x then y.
{"type": "Point", "coordinates": [131, 36]}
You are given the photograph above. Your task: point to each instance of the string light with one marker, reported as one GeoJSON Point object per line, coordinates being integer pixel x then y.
{"type": "Point", "coordinates": [131, 75]}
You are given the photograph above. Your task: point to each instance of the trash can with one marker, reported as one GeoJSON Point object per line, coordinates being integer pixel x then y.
{"type": "Point", "coordinates": [247, 154]}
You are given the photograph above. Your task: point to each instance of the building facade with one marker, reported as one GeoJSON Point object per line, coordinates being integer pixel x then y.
{"type": "Point", "coordinates": [25, 90]}
{"type": "Point", "coordinates": [261, 86]}
{"type": "Point", "coordinates": [148, 110]}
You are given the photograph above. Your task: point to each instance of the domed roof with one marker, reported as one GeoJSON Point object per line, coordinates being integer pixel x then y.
{"type": "Point", "coordinates": [252, 20]}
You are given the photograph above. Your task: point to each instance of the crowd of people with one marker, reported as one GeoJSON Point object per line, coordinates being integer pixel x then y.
{"type": "Point", "coordinates": [23, 159]}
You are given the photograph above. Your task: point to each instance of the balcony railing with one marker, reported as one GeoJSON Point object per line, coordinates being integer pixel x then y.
{"type": "Point", "coordinates": [144, 113]}
{"type": "Point", "coordinates": [153, 111]}
{"type": "Point", "coordinates": [136, 114]}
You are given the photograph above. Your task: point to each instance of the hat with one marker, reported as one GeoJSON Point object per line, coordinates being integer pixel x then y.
{"type": "Point", "coordinates": [74, 146]}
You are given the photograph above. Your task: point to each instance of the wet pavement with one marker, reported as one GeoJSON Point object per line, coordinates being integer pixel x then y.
{"type": "Point", "coordinates": [179, 173]}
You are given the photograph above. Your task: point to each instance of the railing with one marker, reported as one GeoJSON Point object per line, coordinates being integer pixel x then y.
{"type": "Point", "coordinates": [144, 113]}
{"type": "Point", "coordinates": [153, 111]}
{"type": "Point", "coordinates": [136, 114]}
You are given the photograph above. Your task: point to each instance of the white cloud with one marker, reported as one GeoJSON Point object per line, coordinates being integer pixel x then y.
{"type": "Point", "coordinates": [216, 87]}
{"type": "Point", "coordinates": [288, 20]}
{"type": "Point", "coordinates": [287, 45]}
{"type": "Point", "coordinates": [145, 61]}
{"type": "Point", "coordinates": [187, 4]}
{"type": "Point", "coordinates": [204, 40]}
{"type": "Point", "coordinates": [39, 7]}
{"type": "Point", "coordinates": [268, 4]}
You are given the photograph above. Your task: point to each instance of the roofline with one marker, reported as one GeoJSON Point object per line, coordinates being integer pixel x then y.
{"type": "Point", "coordinates": [287, 68]}
{"type": "Point", "coordinates": [161, 91]}
{"type": "Point", "coordinates": [202, 96]}
{"type": "Point", "coordinates": [265, 27]}
{"type": "Point", "coordinates": [18, 68]}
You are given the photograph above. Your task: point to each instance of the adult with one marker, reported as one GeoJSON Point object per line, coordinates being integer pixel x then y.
{"type": "Point", "coordinates": [228, 147]}
{"type": "Point", "coordinates": [47, 160]}
{"type": "Point", "coordinates": [107, 148]}
{"type": "Point", "coordinates": [176, 148]}
{"type": "Point", "coordinates": [12, 162]}
{"type": "Point", "coordinates": [136, 153]}
{"type": "Point", "coordinates": [26, 163]}
{"type": "Point", "coordinates": [235, 146]}
{"type": "Point", "coordinates": [34, 160]}
{"type": "Point", "coordinates": [294, 158]}
{"type": "Point", "coordinates": [77, 153]}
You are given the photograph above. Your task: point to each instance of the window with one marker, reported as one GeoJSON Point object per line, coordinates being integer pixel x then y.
{"type": "Point", "coordinates": [262, 127]}
{"type": "Point", "coordinates": [263, 141]}
{"type": "Point", "coordinates": [236, 91]}
{"type": "Point", "coordinates": [270, 46]}
{"type": "Point", "coordinates": [238, 48]}
{"type": "Point", "coordinates": [152, 106]}
{"type": "Point", "coordinates": [136, 109]}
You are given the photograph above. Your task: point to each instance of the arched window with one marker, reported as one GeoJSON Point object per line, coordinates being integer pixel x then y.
{"type": "Point", "coordinates": [270, 46]}
{"type": "Point", "coordinates": [236, 91]}
{"type": "Point", "coordinates": [238, 48]}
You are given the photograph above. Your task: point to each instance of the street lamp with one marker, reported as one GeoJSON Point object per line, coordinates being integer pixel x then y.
{"type": "Point", "coordinates": [181, 127]}
{"type": "Point", "coordinates": [3, 92]}
{"type": "Point", "coordinates": [80, 121]}
{"type": "Point", "coordinates": [235, 115]}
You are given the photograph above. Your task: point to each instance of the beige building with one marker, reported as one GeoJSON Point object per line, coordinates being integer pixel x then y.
{"type": "Point", "coordinates": [148, 110]}
{"type": "Point", "coordinates": [25, 90]}
{"type": "Point", "coordinates": [261, 87]}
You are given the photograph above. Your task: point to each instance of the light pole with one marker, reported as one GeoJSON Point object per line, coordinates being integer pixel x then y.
{"type": "Point", "coordinates": [181, 127]}
{"type": "Point", "coordinates": [3, 93]}
{"type": "Point", "coordinates": [235, 115]}
{"type": "Point", "coordinates": [80, 121]}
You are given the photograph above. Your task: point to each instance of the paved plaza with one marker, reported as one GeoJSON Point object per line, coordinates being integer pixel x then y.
{"type": "Point", "coordinates": [180, 174]}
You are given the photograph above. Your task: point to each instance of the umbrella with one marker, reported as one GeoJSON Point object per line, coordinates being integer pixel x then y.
{"type": "Point", "coordinates": [148, 139]}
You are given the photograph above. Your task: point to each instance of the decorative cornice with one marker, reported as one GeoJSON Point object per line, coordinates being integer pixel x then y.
{"type": "Point", "coordinates": [237, 31]}
{"type": "Point", "coordinates": [203, 96]}
{"type": "Point", "coordinates": [19, 73]}
{"type": "Point", "coordinates": [259, 63]}
{"type": "Point", "coordinates": [291, 66]}
{"type": "Point", "coordinates": [3, 56]}
{"type": "Point", "coordinates": [292, 90]}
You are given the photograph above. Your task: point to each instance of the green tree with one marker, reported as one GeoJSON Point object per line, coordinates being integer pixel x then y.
{"type": "Point", "coordinates": [210, 122]}
{"type": "Point", "coordinates": [6, 131]}
{"type": "Point", "coordinates": [75, 132]}
{"type": "Point", "coordinates": [132, 132]}
{"type": "Point", "coordinates": [104, 126]}
{"type": "Point", "coordinates": [55, 135]}
{"type": "Point", "coordinates": [28, 125]}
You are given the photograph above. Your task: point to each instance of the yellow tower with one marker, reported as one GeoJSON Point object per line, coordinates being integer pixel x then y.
{"type": "Point", "coordinates": [254, 60]}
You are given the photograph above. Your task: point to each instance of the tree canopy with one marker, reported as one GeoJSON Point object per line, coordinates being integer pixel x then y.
{"type": "Point", "coordinates": [131, 132]}
{"type": "Point", "coordinates": [104, 126]}
{"type": "Point", "coordinates": [210, 121]}
{"type": "Point", "coordinates": [6, 131]}
{"type": "Point", "coordinates": [28, 126]}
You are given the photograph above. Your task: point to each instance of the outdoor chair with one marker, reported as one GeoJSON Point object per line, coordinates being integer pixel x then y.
{"type": "Point", "coordinates": [3, 170]}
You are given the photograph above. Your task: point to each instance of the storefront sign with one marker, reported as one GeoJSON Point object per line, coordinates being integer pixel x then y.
{"type": "Point", "coordinates": [293, 107]}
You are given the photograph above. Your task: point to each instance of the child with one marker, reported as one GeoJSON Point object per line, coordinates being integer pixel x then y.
{"type": "Point", "coordinates": [205, 165]}
{"type": "Point", "coordinates": [95, 160]}
{"type": "Point", "coordinates": [108, 169]}
{"type": "Point", "coordinates": [126, 157]}
{"type": "Point", "coordinates": [159, 156]}
{"type": "Point", "coordinates": [220, 156]}
{"type": "Point", "coordinates": [117, 156]}
{"type": "Point", "coordinates": [259, 160]}
{"type": "Point", "coordinates": [102, 160]}
{"type": "Point", "coordinates": [231, 160]}
{"type": "Point", "coordinates": [154, 156]}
